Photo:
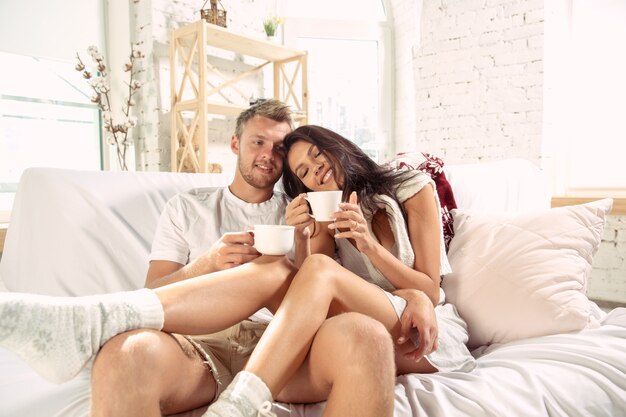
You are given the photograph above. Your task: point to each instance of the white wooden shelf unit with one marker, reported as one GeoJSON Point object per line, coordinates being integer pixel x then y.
{"type": "Point", "coordinates": [194, 98]}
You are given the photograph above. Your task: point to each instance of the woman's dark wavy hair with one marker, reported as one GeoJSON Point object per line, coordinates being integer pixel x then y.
{"type": "Point", "coordinates": [361, 173]}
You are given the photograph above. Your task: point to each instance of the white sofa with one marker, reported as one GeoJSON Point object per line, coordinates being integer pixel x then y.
{"type": "Point", "coordinates": [78, 233]}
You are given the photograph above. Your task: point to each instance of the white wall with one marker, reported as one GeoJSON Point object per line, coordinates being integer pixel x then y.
{"type": "Point", "coordinates": [608, 277]}
{"type": "Point", "coordinates": [469, 87]}
{"type": "Point", "coordinates": [24, 26]}
{"type": "Point", "coordinates": [477, 70]}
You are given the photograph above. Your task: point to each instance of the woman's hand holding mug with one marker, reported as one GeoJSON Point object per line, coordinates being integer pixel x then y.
{"type": "Point", "coordinates": [297, 214]}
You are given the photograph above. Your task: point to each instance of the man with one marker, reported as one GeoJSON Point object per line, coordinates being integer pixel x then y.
{"type": "Point", "coordinates": [147, 372]}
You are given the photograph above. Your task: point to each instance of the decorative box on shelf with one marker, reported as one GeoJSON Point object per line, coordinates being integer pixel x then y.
{"type": "Point", "coordinates": [194, 98]}
{"type": "Point", "coordinates": [214, 15]}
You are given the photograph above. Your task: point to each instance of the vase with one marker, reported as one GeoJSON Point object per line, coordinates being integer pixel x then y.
{"type": "Point", "coordinates": [273, 38]}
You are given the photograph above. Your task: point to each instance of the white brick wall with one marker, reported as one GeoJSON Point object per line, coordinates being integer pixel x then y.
{"type": "Point", "coordinates": [478, 80]}
{"type": "Point", "coordinates": [608, 277]}
{"type": "Point", "coordinates": [477, 69]}
{"type": "Point", "coordinates": [153, 21]}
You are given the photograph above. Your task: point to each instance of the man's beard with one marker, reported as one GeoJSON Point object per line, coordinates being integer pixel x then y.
{"type": "Point", "coordinates": [257, 181]}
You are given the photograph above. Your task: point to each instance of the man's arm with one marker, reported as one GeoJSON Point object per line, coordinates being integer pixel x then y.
{"type": "Point", "coordinates": [233, 249]}
{"type": "Point", "coordinates": [161, 273]}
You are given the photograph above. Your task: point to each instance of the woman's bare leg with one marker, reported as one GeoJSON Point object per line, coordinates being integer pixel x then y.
{"type": "Point", "coordinates": [149, 370]}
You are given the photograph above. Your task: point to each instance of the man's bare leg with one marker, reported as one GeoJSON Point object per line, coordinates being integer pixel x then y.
{"type": "Point", "coordinates": [70, 330]}
{"type": "Point", "coordinates": [149, 373]}
{"type": "Point", "coordinates": [350, 364]}
{"type": "Point", "coordinates": [214, 302]}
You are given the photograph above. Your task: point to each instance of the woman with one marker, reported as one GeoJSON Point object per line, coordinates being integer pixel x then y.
{"type": "Point", "coordinates": [391, 241]}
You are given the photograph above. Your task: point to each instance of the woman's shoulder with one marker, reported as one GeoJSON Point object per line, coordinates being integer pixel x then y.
{"type": "Point", "coordinates": [412, 183]}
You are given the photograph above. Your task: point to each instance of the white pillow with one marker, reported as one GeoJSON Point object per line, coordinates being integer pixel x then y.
{"type": "Point", "coordinates": [87, 232]}
{"type": "Point", "coordinates": [524, 275]}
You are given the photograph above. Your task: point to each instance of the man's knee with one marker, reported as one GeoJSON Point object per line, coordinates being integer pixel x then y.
{"type": "Point", "coordinates": [135, 353]}
{"type": "Point", "coordinates": [150, 368]}
{"type": "Point", "coordinates": [362, 334]}
{"type": "Point", "coordinates": [353, 347]}
{"type": "Point", "coordinates": [358, 338]}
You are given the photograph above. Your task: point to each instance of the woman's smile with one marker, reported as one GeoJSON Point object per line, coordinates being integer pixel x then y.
{"type": "Point", "coordinates": [312, 167]}
{"type": "Point", "coordinates": [326, 177]}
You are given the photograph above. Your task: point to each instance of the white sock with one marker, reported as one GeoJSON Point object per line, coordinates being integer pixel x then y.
{"type": "Point", "coordinates": [242, 398]}
{"type": "Point", "coordinates": [57, 336]}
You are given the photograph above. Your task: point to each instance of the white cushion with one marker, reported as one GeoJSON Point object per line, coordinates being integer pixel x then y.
{"type": "Point", "coordinates": [86, 232]}
{"type": "Point", "coordinates": [522, 275]}
{"type": "Point", "coordinates": [511, 185]}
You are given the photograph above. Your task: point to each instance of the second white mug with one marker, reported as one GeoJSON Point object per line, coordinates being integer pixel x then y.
{"type": "Point", "coordinates": [323, 204]}
{"type": "Point", "coordinates": [272, 239]}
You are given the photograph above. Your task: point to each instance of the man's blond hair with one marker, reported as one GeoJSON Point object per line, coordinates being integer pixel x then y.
{"type": "Point", "coordinates": [270, 108]}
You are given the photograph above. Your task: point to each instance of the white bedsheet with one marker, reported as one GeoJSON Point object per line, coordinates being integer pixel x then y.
{"type": "Point", "coordinates": [81, 233]}
{"type": "Point", "coordinates": [582, 374]}
{"type": "Point", "coordinates": [578, 374]}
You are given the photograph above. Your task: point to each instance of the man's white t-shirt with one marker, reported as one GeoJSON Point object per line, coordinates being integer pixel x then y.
{"type": "Point", "coordinates": [194, 220]}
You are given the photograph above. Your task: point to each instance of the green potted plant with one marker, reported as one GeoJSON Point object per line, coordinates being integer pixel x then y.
{"type": "Point", "coordinates": [270, 26]}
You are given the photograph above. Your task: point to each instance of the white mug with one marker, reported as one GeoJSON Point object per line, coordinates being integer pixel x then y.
{"type": "Point", "coordinates": [323, 204]}
{"type": "Point", "coordinates": [271, 239]}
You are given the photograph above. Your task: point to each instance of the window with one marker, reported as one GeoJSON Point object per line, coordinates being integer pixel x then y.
{"type": "Point", "coordinates": [46, 119]}
{"type": "Point", "coordinates": [349, 68]}
{"type": "Point", "coordinates": [585, 97]}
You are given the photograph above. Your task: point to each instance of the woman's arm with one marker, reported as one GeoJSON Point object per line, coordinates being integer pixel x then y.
{"type": "Point", "coordinates": [424, 227]}
{"type": "Point", "coordinates": [310, 236]}
{"type": "Point", "coordinates": [423, 230]}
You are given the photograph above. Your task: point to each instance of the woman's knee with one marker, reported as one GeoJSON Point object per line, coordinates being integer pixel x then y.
{"type": "Point", "coordinates": [316, 261]}
{"type": "Point", "coordinates": [318, 268]}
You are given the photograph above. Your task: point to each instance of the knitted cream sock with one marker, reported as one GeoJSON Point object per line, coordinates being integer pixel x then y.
{"type": "Point", "coordinates": [244, 397]}
{"type": "Point", "coordinates": [57, 336]}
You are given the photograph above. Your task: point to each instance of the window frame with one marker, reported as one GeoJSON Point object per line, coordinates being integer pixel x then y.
{"type": "Point", "coordinates": [557, 129]}
{"type": "Point", "coordinates": [47, 106]}
{"type": "Point", "coordinates": [357, 30]}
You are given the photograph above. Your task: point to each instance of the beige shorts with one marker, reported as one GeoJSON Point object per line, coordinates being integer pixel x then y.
{"type": "Point", "coordinates": [227, 352]}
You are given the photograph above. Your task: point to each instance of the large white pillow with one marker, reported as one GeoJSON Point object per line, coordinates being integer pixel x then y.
{"type": "Point", "coordinates": [87, 232]}
{"type": "Point", "coordinates": [524, 275]}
